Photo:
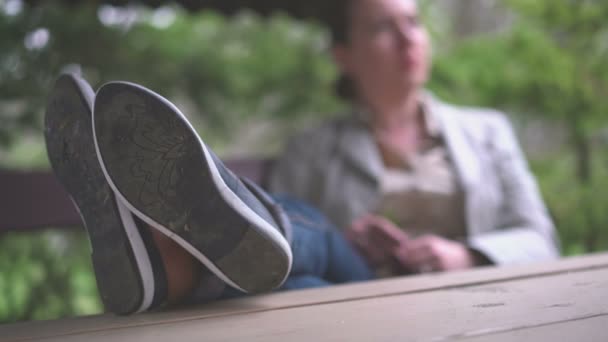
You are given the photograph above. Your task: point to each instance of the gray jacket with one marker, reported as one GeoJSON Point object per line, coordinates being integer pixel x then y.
{"type": "Point", "coordinates": [337, 168]}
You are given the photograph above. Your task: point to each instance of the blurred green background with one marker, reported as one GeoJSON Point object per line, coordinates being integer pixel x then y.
{"type": "Point", "coordinates": [247, 82]}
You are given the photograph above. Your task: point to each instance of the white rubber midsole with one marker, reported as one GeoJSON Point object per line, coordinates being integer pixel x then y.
{"type": "Point", "coordinates": [140, 253]}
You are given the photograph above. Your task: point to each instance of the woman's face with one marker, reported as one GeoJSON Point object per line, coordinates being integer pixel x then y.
{"type": "Point", "coordinates": [387, 53]}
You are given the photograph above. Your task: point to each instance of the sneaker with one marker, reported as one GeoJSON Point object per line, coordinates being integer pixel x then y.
{"type": "Point", "coordinates": [128, 269]}
{"type": "Point", "coordinates": [160, 168]}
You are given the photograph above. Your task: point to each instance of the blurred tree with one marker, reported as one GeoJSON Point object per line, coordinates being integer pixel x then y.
{"type": "Point", "coordinates": [222, 69]}
{"type": "Point", "coordinates": [577, 88]}
{"type": "Point", "coordinates": [552, 65]}
{"type": "Point", "coordinates": [46, 275]}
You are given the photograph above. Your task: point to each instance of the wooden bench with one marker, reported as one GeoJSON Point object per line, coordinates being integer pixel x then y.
{"type": "Point", "coordinates": [35, 199]}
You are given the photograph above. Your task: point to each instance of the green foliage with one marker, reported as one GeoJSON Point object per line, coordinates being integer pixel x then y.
{"type": "Point", "coordinates": [550, 65]}
{"type": "Point", "coordinates": [46, 275]}
{"type": "Point", "coordinates": [579, 210]}
{"type": "Point", "coordinates": [523, 69]}
{"type": "Point", "coordinates": [25, 153]}
{"type": "Point", "coordinates": [221, 69]}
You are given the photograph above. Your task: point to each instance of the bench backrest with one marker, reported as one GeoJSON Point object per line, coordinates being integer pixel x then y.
{"type": "Point", "coordinates": [35, 199]}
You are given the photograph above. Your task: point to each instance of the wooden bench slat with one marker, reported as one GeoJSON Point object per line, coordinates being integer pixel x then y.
{"type": "Point", "coordinates": [587, 330]}
{"type": "Point", "coordinates": [443, 314]}
{"type": "Point", "coordinates": [434, 316]}
{"type": "Point", "coordinates": [328, 296]}
{"type": "Point", "coordinates": [35, 199]}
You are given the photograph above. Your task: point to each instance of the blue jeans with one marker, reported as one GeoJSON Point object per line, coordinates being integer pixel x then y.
{"type": "Point", "coordinates": [321, 255]}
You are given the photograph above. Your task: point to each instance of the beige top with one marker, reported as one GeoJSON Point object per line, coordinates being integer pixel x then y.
{"type": "Point", "coordinates": [424, 199]}
{"type": "Point", "coordinates": [424, 196]}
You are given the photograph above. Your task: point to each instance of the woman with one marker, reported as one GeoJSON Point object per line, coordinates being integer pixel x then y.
{"type": "Point", "coordinates": [453, 180]}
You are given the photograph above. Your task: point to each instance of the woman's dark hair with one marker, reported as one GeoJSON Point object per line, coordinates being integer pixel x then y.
{"type": "Point", "coordinates": [338, 19]}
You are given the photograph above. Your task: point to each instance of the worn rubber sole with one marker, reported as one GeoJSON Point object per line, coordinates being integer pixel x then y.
{"type": "Point", "coordinates": [157, 164]}
{"type": "Point", "coordinates": [120, 261]}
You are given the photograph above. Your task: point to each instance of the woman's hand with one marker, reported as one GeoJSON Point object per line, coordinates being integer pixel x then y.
{"type": "Point", "coordinates": [431, 253]}
{"type": "Point", "coordinates": [376, 238]}
{"type": "Point", "coordinates": [382, 242]}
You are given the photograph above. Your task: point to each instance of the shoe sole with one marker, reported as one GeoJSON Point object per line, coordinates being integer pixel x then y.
{"type": "Point", "coordinates": [158, 165]}
{"type": "Point", "coordinates": [122, 269]}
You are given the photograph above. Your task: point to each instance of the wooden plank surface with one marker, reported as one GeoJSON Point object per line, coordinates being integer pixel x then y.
{"type": "Point", "coordinates": [437, 315]}
{"type": "Point", "coordinates": [375, 310]}
{"type": "Point", "coordinates": [592, 329]}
